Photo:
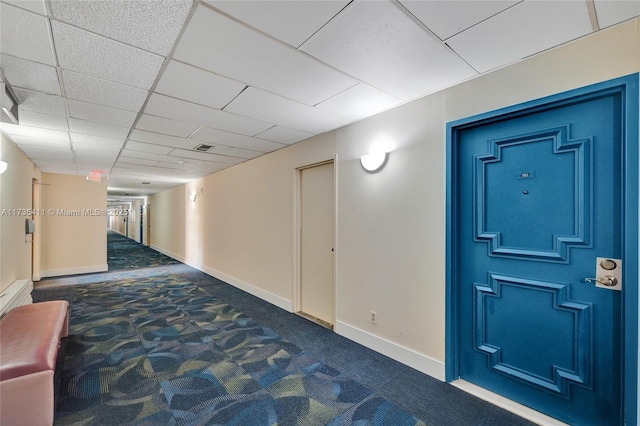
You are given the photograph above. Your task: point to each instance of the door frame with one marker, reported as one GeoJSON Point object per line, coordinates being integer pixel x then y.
{"type": "Point", "coordinates": [627, 87]}
{"type": "Point", "coordinates": [297, 223]}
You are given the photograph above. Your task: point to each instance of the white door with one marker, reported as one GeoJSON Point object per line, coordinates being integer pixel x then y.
{"type": "Point", "coordinates": [316, 249]}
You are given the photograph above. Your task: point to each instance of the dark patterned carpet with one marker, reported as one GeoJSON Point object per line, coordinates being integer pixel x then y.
{"type": "Point", "coordinates": [123, 253]}
{"type": "Point", "coordinates": [170, 345]}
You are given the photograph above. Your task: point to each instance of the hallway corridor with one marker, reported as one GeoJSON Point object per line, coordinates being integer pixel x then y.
{"type": "Point", "coordinates": [156, 342]}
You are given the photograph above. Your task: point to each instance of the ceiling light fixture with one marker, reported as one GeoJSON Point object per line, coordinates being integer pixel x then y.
{"type": "Point", "coordinates": [374, 161]}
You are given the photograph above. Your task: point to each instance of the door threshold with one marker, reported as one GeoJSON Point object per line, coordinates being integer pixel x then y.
{"type": "Point", "coordinates": [507, 404]}
{"type": "Point", "coordinates": [317, 320]}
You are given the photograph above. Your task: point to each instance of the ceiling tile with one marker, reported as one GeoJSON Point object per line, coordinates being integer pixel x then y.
{"type": "Point", "coordinates": [265, 106]}
{"type": "Point", "coordinates": [290, 21]}
{"type": "Point", "coordinates": [97, 56]}
{"type": "Point", "coordinates": [95, 162]}
{"type": "Point", "coordinates": [98, 129]}
{"type": "Point", "coordinates": [203, 156]}
{"type": "Point", "coordinates": [166, 126]}
{"type": "Point", "coordinates": [198, 86]}
{"type": "Point", "coordinates": [447, 18]}
{"type": "Point", "coordinates": [359, 102]}
{"type": "Point", "coordinates": [147, 147]}
{"type": "Point", "coordinates": [34, 132]}
{"type": "Point", "coordinates": [40, 142]}
{"type": "Point", "coordinates": [25, 35]}
{"type": "Point", "coordinates": [30, 75]}
{"type": "Point", "coordinates": [183, 166]}
{"type": "Point", "coordinates": [36, 6]}
{"type": "Point", "coordinates": [159, 139]}
{"type": "Point", "coordinates": [235, 152]}
{"type": "Point", "coordinates": [97, 91]}
{"type": "Point", "coordinates": [284, 135]}
{"type": "Point", "coordinates": [89, 140]}
{"type": "Point", "coordinates": [219, 137]}
{"type": "Point", "coordinates": [103, 164]}
{"type": "Point", "coordinates": [523, 30]}
{"type": "Point", "coordinates": [47, 153]}
{"type": "Point", "coordinates": [40, 102]}
{"type": "Point", "coordinates": [61, 166]}
{"type": "Point", "coordinates": [150, 25]}
{"type": "Point", "coordinates": [155, 157]}
{"type": "Point", "coordinates": [379, 44]}
{"type": "Point", "coordinates": [256, 60]}
{"type": "Point", "coordinates": [101, 114]}
{"type": "Point", "coordinates": [176, 109]}
{"type": "Point", "coordinates": [148, 171]}
{"type": "Point", "coordinates": [139, 161]}
{"type": "Point", "coordinates": [35, 119]}
{"type": "Point", "coordinates": [610, 12]}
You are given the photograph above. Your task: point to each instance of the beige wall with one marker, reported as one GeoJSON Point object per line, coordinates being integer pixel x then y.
{"type": "Point", "coordinates": [390, 237]}
{"type": "Point", "coordinates": [168, 221]}
{"type": "Point", "coordinates": [15, 193]}
{"type": "Point", "coordinates": [74, 237]}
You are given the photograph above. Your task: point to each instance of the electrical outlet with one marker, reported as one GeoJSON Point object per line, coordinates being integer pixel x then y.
{"type": "Point", "coordinates": [374, 317]}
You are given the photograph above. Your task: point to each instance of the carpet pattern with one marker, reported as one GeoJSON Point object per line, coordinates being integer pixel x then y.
{"type": "Point", "coordinates": [123, 253]}
{"type": "Point", "coordinates": [162, 350]}
{"type": "Point", "coordinates": [166, 344]}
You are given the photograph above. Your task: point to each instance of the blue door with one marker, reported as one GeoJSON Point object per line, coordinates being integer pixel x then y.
{"type": "Point", "coordinates": [538, 206]}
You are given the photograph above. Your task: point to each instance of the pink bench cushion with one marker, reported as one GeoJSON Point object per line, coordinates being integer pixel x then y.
{"type": "Point", "coordinates": [30, 336]}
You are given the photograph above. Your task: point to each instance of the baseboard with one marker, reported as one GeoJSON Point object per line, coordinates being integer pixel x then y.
{"type": "Point", "coordinates": [73, 271]}
{"type": "Point", "coordinates": [267, 296]}
{"type": "Point", "coordinates": [420, 362]}
{"type": "Point", "coordinates": [168, 253]}
{"type": "Point", "coordinates": [17, 294]}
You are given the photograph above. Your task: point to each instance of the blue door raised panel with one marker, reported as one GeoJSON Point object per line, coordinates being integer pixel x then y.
{"type": "Point", "coordinates": [538, 196]}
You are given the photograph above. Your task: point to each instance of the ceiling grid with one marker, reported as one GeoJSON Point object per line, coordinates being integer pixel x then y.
{"type": "Point", "coordinates": [132, 87]}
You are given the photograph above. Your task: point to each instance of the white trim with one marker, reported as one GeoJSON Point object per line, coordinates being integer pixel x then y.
{"type": "Point", "coordinates": [509, 405]}
{"type": "Point", "coordinates": [17, 294]}
{"type": "Point", "coordinates": [74, 271]}
{"type": "Point", "coordinates": [267, 296]}
{"type": "Point", "coordinates": [420, 362]}
{"type": "Point", "coordinates": [170, 254]}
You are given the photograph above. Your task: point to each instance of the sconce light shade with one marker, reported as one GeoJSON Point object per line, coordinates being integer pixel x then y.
{"type": "Point", "coordinates": [3, 167]}
{"type": "Point", "coordinates": [192, 197]}
{"type": "Point", "coordinates": [374, 161]}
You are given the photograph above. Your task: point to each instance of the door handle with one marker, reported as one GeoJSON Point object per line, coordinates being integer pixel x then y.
{"type": "Point", "coordinates": [607, 280]}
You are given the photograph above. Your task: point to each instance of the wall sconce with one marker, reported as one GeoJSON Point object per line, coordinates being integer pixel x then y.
{"type": "Point", "coordinates": [192, 197]}
{"type": "Point", "coordinates": [374, 161]}
{"type": "Point", "coordinates": [3, 167]}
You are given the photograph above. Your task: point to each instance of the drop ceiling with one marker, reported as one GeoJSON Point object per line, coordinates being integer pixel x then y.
{"type": "Point", "coordinates": [132, 87]}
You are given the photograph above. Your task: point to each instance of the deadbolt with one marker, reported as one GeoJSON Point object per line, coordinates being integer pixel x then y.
{"type": "Point", "coordinates": [608, 264]}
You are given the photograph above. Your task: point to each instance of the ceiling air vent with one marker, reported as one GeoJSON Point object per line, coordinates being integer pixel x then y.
{"type": "Point", "coordinates": [203, 148]}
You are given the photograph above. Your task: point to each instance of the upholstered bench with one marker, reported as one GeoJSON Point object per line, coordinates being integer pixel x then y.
{"type": "Point", "coordinates": [29, 342]}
